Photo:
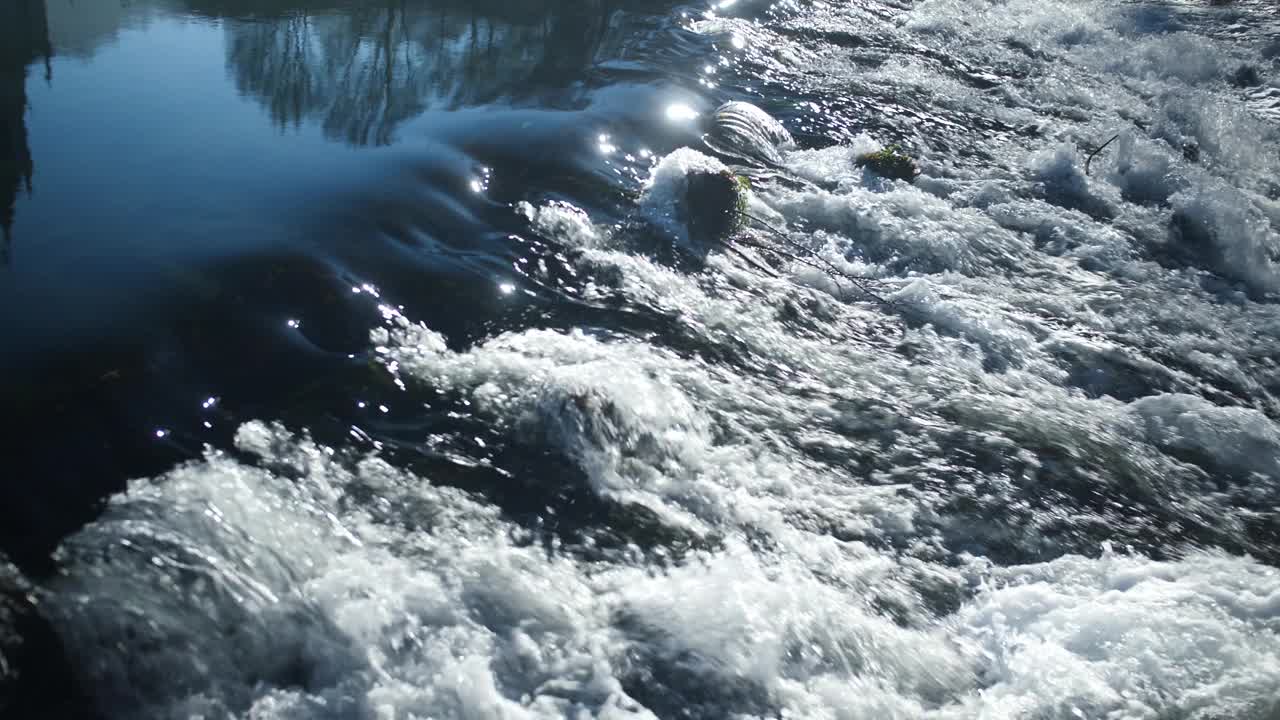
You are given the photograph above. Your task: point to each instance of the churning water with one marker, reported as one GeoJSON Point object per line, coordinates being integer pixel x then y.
{"type": "Point", "coordinates": [436, 411]}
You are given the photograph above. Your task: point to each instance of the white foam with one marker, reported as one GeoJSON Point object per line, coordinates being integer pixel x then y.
{"type": "Point", "coordinates": [1231, 233]}
{"type": "Point", "coordinates": [869, 483]}
{"type": "Point", "coordinates": [1061, 171]}
{"type": "Point", "coordinates": [837, 163]}
{"type": "Point", "coordinates": [906, 229]}
{"type": "Point", "coordinates": [224, 590]}
{"type": "Point", "coordinates": [1235, 438]}
{"type": "Point", "coordinates": [565, 222]}
{"type": "Point", "coordinates": [1127, 637]}
{"type": "Point", "coordinates": [1144, 171]}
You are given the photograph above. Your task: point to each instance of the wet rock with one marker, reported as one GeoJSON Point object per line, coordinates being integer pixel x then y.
{"type": "Point", "coordinates": [1246, 76]}
{"type": "Point", "coordinates": [983, 80]}
{"type": "Point", "coordinates": [890, 162]}
{"type": "Point", "coordinates": [745, 133]}
{"type": "Point", "coordinates": [1031, 130]}
{"type": "Point", "coordinates": [1271, 50]}
{"type": "Point", "coordinates": [714, 203]}
{"type": "Point", "coordinates": [35, 678]}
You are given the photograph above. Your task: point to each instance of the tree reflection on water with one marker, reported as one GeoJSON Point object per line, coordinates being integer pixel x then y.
{"type": "Point", "coordinates": [358, 69]}
{"type": "Point", "coordinates": [24, 39]}
{"type": "Point", "coordinates": [364, 70]}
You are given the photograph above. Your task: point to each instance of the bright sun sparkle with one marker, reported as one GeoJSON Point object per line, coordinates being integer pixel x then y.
{"type": "Point", "coordinates": [679, 112]}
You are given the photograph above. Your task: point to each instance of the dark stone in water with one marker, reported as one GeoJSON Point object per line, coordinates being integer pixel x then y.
{"type": "Point", "coordinates": [1031, 130]}
{"type": "Point", "coordinates": [890, 163]}
{"type": "Point", "coordinates": [1246, 76]}
{"type": "Point", "coordinates": [713, 203]}
{"type": "Point", "coordinates": [35, 677]}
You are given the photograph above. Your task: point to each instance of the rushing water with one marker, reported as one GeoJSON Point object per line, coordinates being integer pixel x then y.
{"type": "Point", "coordinates": [430, 407]}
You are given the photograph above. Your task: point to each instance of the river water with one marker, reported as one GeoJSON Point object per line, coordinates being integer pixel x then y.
{"type": "Point", "coordinates": [360, 365]}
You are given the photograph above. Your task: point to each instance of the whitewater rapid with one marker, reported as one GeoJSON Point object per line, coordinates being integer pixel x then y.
{"type": "Point", "coordinates": [1042, 482]}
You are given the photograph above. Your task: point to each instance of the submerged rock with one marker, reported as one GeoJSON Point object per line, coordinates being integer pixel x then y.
{"type": "Point", "coordinates": [743, 132]}
{"type": "Point", "coordinates": [1246, 76]}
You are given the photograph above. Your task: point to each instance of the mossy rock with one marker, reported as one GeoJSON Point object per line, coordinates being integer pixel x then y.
{"type": "Point", "coordinates": [715, 203]}
{"type": "Point", "coordinates": [890, 162]}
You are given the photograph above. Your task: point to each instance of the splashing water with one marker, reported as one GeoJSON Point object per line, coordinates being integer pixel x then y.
{"type": "Point", "coordinates": [1042, 481]}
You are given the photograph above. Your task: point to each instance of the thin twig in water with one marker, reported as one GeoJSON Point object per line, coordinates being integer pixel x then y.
{"type": "Point", "coordinates": [753, 262]}
{"type": "Point", "coordinates": [815, 262]}
{"type": "Point", "coordinates": [1094, 154]}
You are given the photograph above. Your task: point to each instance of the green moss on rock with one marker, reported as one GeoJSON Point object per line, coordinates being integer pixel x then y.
{"type": "Point", "coordinates": [890, 162]}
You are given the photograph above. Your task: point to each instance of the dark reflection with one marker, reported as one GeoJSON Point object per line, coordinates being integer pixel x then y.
{"type": "Point", "coordinates": [24, 38]}
{"type": "Point", "coordinates": [363, 70]}
{"type": "Point", "coordinates": [177, 237]}
{"type": "Point", "coordinates": [79, 29]}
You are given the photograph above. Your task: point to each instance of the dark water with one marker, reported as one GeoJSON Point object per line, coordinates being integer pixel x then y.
{"type": "Point", "coordinates": [197, 188]}
{"type": "Point", "coordinates": [432, 407]}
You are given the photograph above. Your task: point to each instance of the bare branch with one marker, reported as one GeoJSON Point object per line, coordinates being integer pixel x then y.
{"type": "Point", "coordinates": [1095, 152]}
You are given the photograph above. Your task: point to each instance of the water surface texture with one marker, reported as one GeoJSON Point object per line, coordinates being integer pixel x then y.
{"type": "Point", "coordinates": [361, 364]}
